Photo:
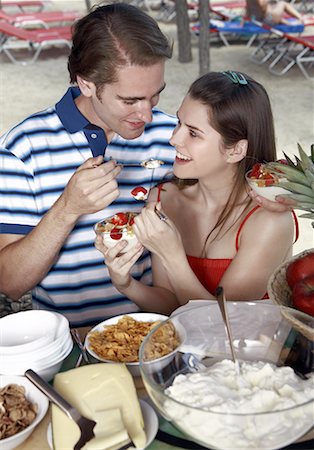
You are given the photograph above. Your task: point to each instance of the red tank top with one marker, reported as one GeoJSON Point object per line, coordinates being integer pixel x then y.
{"type": "Point", "coordinates": [209, 271]}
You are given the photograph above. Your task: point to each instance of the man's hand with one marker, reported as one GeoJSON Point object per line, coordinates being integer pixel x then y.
{"type": "Point", "coordinates": [283, 203]}
{"type": "Point", "coordinates": [91, 188]}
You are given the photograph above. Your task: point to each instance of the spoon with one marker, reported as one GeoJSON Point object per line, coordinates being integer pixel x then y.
{"type": "Point", "coordinates": [221, 299]}
{"type": "Point", "coordinates": [77, 340]}
{"type": "Point", "coordinates": [147, 163]}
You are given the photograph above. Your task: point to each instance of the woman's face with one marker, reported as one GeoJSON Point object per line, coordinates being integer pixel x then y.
{"type": "Point", "coordinates": [199, 148]}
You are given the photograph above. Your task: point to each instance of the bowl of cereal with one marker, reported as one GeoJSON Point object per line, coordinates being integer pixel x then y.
{"type": "Point", "coordinates": [266, 403]}
{"type": "Point", "coordinates": [119, 338]}
{"type": "Point", "coordinates": [23, 407]}
{"type": "Point", "coordinates": [118, 227]}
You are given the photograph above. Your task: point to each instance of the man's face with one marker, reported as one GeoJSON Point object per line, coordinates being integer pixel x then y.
{"type": "Point", "coordinates": [125, 106]}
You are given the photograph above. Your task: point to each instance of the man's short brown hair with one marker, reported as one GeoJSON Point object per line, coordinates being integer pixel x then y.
{"type": "Point", "coordinates": [111, 37]}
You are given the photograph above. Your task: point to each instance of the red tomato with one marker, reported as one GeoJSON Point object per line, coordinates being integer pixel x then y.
{"type": "Point", "coordinates": [300, 268]}
{"type": "Point", "coordinates": [116, 234]}
{"type": "Point", "coordinates": [119, 219]}
{"type": "Point", "coordinates": [303, 295]}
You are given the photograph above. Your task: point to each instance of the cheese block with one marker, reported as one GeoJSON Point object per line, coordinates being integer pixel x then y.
{"type": "Point", "coordinates": [105, 393]}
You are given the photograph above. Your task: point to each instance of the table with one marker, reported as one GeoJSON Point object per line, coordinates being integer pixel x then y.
{"type": "Point", "coordinates": [38, 439]}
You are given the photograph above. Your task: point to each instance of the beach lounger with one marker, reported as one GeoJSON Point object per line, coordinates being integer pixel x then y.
{"type": "Point", "coordinates": [16, 38]}
{"type": "Point", "coordinates": [25, 5]}
{"type": "Point", "coordinates": [267, 46]}
{"type": "Point", "coordinates": [41, 18]}
{"type": "Point", "coordinates": [248, 28]}
{"type": "Point", "coordinates": [294, 50]}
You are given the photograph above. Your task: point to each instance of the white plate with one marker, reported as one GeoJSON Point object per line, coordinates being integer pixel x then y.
{"type": "Point", "coordinates": [143, 317]}
{"type": "Point", "coordinates": [150, 424]}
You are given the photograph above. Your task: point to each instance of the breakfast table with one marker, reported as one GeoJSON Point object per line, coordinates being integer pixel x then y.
{"type": "Point", "coordinates": [167, 438]}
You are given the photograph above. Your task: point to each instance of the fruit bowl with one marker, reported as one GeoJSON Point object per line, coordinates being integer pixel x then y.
{"type": "Point", "coordinates": [264, 337]}
{"type": "Point", "coordinates": [278, 288]}
{"type": "Point", "coordinates": [116, 227]}
{"type": "Point", "coordinates": [264, 183]}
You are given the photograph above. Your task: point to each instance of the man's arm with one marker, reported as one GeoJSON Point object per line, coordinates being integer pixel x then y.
{"type": "Point", "coordinates": [24, 261]}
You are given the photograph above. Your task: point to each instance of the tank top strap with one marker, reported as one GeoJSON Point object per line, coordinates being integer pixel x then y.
{"type": "Point", "coordinates": [243, 223]}
{"type": "Point", "coordinates": [159, 187]}
{"type": "Point", "coordinates": [252, 212]}
{"type": "Point", "coordinates": [296, 222]}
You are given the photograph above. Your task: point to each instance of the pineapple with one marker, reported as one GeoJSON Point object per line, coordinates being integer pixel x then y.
{"type": "Point", "coordinates": [299, 180]}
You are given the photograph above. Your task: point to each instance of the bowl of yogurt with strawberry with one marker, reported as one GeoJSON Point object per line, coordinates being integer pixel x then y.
{"type": "Point", "coordinates": [118, 227]}
{"type": "Point", "coordinates": [264, 181]}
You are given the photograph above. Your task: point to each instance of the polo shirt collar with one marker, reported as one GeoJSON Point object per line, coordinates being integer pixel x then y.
{"type": "Point", "coordinates": [71, 117]}
{"type": "Point", "coordinates": [74, 121]}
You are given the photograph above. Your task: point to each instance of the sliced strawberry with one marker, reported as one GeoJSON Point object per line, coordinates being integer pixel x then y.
{"type": "Point", "coordinates": [269, 179]}
{"type": "Point", "coordinates": [139, 189]}
{"type": "Point", "coordinates": [256, 170]}
{"type": "Point", "coordinates": [119, 219]}
{"type": "Point", "coordinates": [131, 221]}
{"type": "Point", "coordinates": [116, 234]}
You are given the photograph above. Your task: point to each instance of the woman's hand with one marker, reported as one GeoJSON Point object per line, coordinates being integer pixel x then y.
{"type": "Point", "coordinates": [119, 264]}
{"type": "Point", "coordinates": [282, 204]}
{"type": "Point", "coordinates": [158, 236]}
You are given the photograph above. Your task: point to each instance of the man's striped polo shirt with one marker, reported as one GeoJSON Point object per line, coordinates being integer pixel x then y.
{"type": "Point", "coordinates": [37, 159]}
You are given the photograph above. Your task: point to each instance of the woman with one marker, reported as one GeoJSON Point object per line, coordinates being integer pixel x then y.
{"type": "Point", "coordinates": [272, 11]}
{"type": "Point", "coordinates": [214, 234]}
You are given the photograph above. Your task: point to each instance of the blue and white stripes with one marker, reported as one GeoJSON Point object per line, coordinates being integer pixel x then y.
{"type": "Point", "coordinates": [37, 159]}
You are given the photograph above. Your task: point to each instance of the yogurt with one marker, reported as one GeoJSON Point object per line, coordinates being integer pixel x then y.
{"type": "Point", "coordinates": [117, 227]}
{"type": "Point", "coordinates": [261, 402]}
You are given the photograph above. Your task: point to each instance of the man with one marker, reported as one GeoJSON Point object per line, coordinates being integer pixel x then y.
{"type": "Point", "coordinates": [58, 170]}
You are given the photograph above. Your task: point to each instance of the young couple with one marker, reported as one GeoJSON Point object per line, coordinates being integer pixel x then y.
{"type": "Point", "coordinates": [59, 177]}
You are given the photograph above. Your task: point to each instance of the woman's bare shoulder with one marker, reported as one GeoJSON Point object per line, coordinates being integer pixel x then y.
{"type": "Point", "coordinates": [270, 222]}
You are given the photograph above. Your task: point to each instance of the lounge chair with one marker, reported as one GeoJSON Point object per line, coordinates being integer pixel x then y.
{"type": "Point", "coordinates": [25, 5]}
{"type": "Point", "coordinates": [294, 50]}
{"type": "Point", "coordinates": [17, 38]}
{"type": "Point", "coordinates": [41, 18]}
{"type": "Point", "coordinates": [248, 29]}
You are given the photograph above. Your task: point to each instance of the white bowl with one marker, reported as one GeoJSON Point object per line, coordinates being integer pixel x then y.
{"type": "Point", "coordinates": [49, 352]}
{"type": "Point", "coordinates": [126, 232]}
{"type": "Point", "coordinates": [35, 396]}
{"type": "Point", "coordinates": [143, 317]}
{"type": "Point", "coordinates": [45, 368]}
{"type": "Point", "coordinates": [26, 331]}
{"type": "Point", "coordinates": [269, 192]}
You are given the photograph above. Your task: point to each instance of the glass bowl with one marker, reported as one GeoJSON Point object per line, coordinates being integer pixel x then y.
{"type": "Point", "coordinates": [261, 188]}
{"type": "Point", "coordinates": [263, 334]}
{"type": "Point", "coordinates": [116, 227]}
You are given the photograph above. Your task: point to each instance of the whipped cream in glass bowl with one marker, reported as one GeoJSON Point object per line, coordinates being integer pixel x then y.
{"type": "Point", "coordinates": [268, 405]}
{"type": "Point", "coordinates": [116, 227]}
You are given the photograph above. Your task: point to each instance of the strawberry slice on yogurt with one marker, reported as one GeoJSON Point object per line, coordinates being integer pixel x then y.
{"type": "Point", "coordinates": [139, 193]}
{"type": "Point", "coordinates": [117, 227]}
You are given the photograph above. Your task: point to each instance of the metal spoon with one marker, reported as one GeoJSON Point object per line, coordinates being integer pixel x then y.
{"type": "Point", "coordinates": [77, 340]}
{"type": "Point", "coordinates": [147, 163]}
{"type": "Point", "coordinates": [221, 299]}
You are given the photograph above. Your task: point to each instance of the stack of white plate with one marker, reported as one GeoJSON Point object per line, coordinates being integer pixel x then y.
{"type": "Point", "coordinates": [38, 340]}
